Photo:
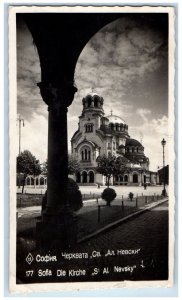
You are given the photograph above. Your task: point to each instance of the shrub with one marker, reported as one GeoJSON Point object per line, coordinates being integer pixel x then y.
{"type": "Point", "coordinates": [73, 193]}
{"type": "Point", "coordinates": [109, 195]}
{"type": "Point", "coordinates": [131, 196]}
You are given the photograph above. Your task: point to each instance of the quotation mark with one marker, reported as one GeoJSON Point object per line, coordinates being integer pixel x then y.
{"type": "Point", "coordinates": [29, 259]}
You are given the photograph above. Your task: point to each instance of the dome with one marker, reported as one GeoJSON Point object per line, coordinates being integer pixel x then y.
{"type": "Point", "coordinates": [115, 119]}
{"type": "Point", "coordinates": [93, 100]}
{"type": "Point", "coordinates": [93, 95]}
{"type": "Point", "coordinates": [133, 142]}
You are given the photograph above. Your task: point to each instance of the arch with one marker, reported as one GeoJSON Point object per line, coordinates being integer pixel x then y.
{"type": "Point", "coordinates": [86, 153]}
{"type": "Point", "coordinates": [28, 180]}
{"type": "Point", "coordinates": [126, 178]}
{"type": "Point", "coordinates": [31, 181]}
{"type": "Point", "coordinates": [82, 155]}
{"type": "Point", "coordinates": [116, 178]}
{"type": "Point", "coordinates": [91, 177]}
{"type": "Point", "coordinates": [135, 178]}
{"type": "Point", "coordinates": [78, 177]}
{"type": "Point", "coordinates": [84, 177]}
{"type": "Point", "coordinates": [37, 181]}
{"type": "Point", "coordinates": [41, 180]}
{"type": "Point", "coordinates": [120, 178]}
{"type": "Point", "coordinates": [96, 100]}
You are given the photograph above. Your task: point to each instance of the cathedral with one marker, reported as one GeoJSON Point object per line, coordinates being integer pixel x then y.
{"type": "Point", "coordinates": [98, 134]}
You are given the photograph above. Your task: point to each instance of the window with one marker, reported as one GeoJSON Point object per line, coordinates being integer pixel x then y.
{"type": "Point", "coordinates": [89, 127]}
{"type": "Point", "coordinates": [86, 154]}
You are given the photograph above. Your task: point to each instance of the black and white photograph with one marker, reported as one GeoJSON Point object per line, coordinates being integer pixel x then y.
{"type": "Point", "coordinates": [91, 147]}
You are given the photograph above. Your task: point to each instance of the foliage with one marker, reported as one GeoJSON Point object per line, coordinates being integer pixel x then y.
{"type": "Point", "coordinates": [74, 196]}
{"type": "Point", "coordinates": [111, 165]}
{"type": "Point", "coordinates": [131, 196]}
{"type": "Point", "coordinates": [44, 167]}
{"type": "Point", "coordinates": [109, 195]}
{"type": "Point", "coordinates": [27, 164]}
{"type": "Point", "coordinates": [73, 165]}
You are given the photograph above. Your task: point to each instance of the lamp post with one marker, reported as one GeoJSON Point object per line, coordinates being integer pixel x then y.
{"type": "Point", "coordinates": [164, 193]}
{"type": "Point", "coordinates": [20, 121]}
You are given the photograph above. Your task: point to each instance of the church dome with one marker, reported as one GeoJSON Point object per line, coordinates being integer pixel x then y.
{"type": "Point", "coordinates": [133, 142]}
{"type": "Point", "coordinates": [92, 100]}
{"type": "Point", "coordinates": [115, 119]}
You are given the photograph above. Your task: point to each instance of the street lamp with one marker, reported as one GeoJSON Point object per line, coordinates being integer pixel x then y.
{"type": "Point", "coordinates": [164, 193]}
{"type": "Point", "coordinates": [20, 122]}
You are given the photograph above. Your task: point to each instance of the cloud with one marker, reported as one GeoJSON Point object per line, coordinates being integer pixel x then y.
{"type": "Point", "coordinates": [143, 113]}
{"type": "Point", "coordinates": [151, 133]}
{"type": "Point", "coordinates": [34, 136]}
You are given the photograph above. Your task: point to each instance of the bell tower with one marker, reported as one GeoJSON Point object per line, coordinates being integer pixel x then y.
{"type": "Point", "coordinates": [90, 119]}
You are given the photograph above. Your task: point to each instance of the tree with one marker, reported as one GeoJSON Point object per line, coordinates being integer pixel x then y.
{"type": "Point", "coordinates": [44, 167]}
{"type": "Point", "coordinates": [111, 166]}
{"type": "Point", "coordinates": [27, 164]}
{"type": "Point", "coordinates": [73, 165]}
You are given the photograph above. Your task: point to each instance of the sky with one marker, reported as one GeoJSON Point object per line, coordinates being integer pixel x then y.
{"type": "Point", "coordinates": [126, 63]}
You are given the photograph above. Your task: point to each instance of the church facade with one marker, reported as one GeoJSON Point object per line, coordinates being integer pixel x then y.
{"type": "Point", "coordinates": [99, 135]}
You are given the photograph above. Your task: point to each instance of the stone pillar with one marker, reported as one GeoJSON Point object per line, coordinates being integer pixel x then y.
{"type": "Point", "coordinates": [57, 220]}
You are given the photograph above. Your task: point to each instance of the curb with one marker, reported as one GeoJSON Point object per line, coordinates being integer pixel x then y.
{"type": "Point", "coordinates": [113, 224]}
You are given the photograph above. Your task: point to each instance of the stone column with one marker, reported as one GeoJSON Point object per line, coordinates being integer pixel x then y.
{"type": "Point", "coordinates": [57, 218]}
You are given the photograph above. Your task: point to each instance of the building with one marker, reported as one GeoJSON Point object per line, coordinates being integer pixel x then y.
{"type": "Point", "coordinates": [98, 134]}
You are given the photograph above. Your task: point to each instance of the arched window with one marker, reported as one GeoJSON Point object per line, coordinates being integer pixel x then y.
{"type": "Point", "coordinates": [95, 101]}
{"type": "Point", "coordinates": [78, 177]}
{"type": "Point", "coordinates": [135, 178]}
{"type": "Point", "coordinates": [86, 153]}
{"type": "Point", "coordinates": [116, 178]}
{"type": "Point", "coordinates": [89, 128]}
{"type": "Point", "coordinates": [91, 177]}
{"type": "Point", "coordinates": [112, 126]}
{"type": "Point", "coordinates": [84, 177]}
{"type": "Point", "coordinates": [121, 178]}
{"type": "Point", "coordinates": [126, 178]}
{"type": "Point", "coordinates": [31, 181]}
{"type": "Point", "coordinates": [28, 181]}
{"type": "Point", "coordinates": [133, 149]}
{"type": "Point", "coordinates": [41, 181]}
{"type": "Point", "coordinates": [37, 181]}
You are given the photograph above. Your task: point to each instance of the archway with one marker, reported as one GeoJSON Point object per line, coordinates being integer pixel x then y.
{"type": "Point", "coordinates": [28, 180]}
{"type": "Point", "coordinates": [41, 181]}
{"type": "Point", "coordinates": [126, 178]}
{"type": "Point", "coordinates": [91, 177]}
{"type": "Point", "coordinates": [135, 178]}
{"type": "Point", "coordinates": [84, 177]}
{"type": "Point", "coordinates": [78, 177]}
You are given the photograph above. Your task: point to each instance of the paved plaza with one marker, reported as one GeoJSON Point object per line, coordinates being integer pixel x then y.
{"type": "Point", "coordinates": [120, 190]}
